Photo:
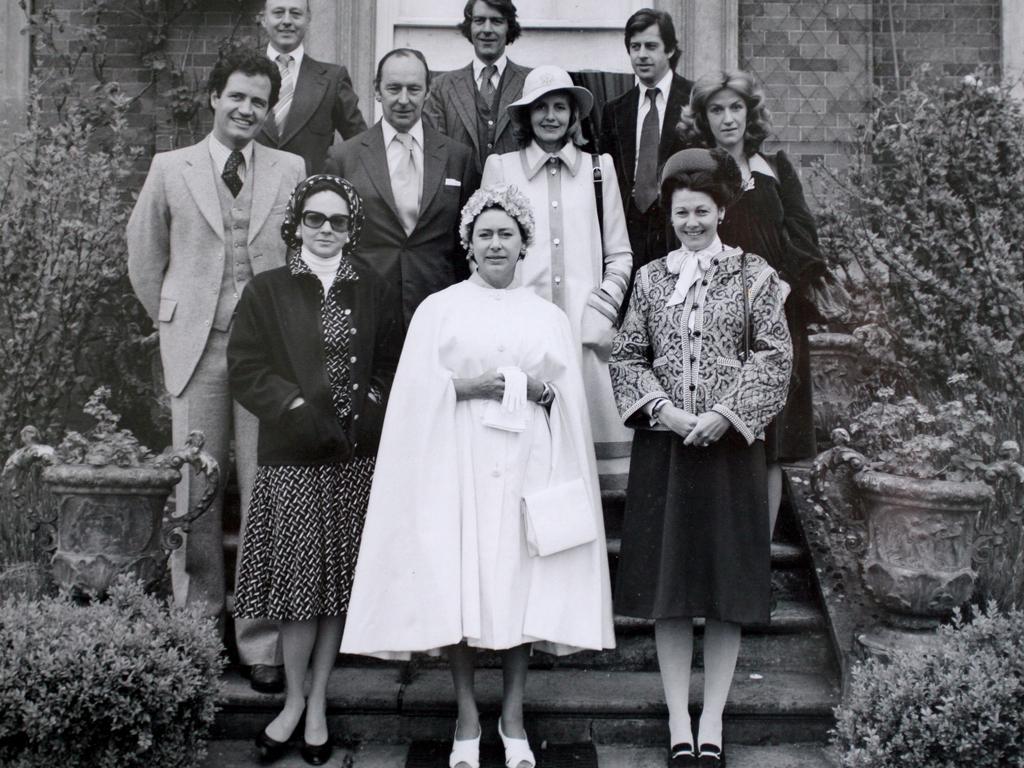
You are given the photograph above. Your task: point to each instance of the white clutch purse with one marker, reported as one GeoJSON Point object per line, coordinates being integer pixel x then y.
{"type": "Point", "coordinates": [558, 518]}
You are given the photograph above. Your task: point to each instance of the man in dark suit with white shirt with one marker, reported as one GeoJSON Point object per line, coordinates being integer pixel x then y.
{"type": "Point", "coordinates": [413, 182]}
{"type": "Point", "coordinates": [316, 98]}
{"type": "Point", "coordinates": [641, 140]}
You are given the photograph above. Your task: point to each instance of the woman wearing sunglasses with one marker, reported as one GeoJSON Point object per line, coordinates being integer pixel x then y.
{"type": "Point", "coordinates": [312, 353]}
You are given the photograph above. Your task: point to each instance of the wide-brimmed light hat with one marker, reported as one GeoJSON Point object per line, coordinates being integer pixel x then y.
{"type": "Point", "coordinates": [545, 79]}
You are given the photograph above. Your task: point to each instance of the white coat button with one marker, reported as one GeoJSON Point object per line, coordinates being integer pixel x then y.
{"type": "Point", "coordinates": [554, 171]}
{"type": "Point", "coordinates": [348, 311]}
{"type": "Point", "coordinates": [490, 122]}
{"type": "Point", "coordinates": [352, 359]}
{"type": "Point", "coordinates": [556, 241]}
{"type": "Point", "coordinates": [554, 203]}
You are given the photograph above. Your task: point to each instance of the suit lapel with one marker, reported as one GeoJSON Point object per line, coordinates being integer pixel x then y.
{"type": "Point", "coordinates": [673, 110]}
{"type": "Point", "coordinates": [375, 160]}
{"type": "Point", "coordinates": [201, 182]}
{"type": "Point", "coordinates": [465, 102]}
{"type": "Point", "coordinates": [265, 177]}
{"type": "Point", "coordinates": [435, 155]}
{"type": "Point", "coordinates": [627, 132]}
{"type": "Point", "coordinates": [511, 89]}
{"type": "Point", "coordinates": [310, 85]}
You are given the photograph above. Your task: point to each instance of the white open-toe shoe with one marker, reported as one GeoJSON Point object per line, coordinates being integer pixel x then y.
{"type": "Point", "coordinates": [465, 750]}
{"type": "Point", "coordinates": [516, 750]}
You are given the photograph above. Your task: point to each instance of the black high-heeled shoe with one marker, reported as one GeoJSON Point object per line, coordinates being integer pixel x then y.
{"type": "Point", "coordinates": [268, 750]}
{"type": "Point", "coordinates": [316, 754]}
{"type": "Point", "coordinates": [682, 755]}
{"type": "Point", "coordinates": [711, 756]}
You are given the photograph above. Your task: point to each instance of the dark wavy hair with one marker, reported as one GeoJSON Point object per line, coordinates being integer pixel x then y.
{"type": "Point", "coordinates": [522, 128]}
{"type": "Point", "coordinates": [723, 183]}
{"type": "Point", "coordinates": [505, 7]}
{"type": "Point", "coordinates": [695, 131]}
{"type": "Point", "coordinates": [323, 182]}
{"type": "Point", "coordinates": [248, 62]}
{"type": "Point", "coordinates": [644, 18]}
{"type": "Point", "coordinates": [402, 52]}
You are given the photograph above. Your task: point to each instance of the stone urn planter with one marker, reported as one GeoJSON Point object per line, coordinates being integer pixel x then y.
{"type": "Point", "coordinates": [836, 376]}
{"type": "Point", "coordinates": [100, 503]}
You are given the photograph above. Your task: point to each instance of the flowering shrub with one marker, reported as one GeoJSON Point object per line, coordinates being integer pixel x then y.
{"type": "Point", "coordinates": [959, 704]}
{"type": "Point", "coordinates": [927, 224]}
{"type": "Point", "coordinates": [125, 683]}
{"type": "Point", "coordinates": [104, 444]}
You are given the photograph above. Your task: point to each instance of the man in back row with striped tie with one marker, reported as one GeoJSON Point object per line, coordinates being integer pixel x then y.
{"type": "Point", "coordinates": [316, 98]}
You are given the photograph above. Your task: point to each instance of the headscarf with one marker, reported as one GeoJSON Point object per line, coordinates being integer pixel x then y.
{"type": "Point", "coordinates": [323, 182]}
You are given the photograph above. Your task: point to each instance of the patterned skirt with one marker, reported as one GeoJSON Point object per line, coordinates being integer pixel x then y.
{"type": "Point", "coordinates": [302, 540]}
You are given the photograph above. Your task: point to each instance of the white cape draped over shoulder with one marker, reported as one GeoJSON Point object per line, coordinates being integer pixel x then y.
{"type": "Point", "coordinates": [443, 556]}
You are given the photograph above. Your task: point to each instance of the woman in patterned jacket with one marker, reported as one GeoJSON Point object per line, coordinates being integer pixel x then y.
{"type": "Point", "coordinates": [318, 386]}
{"type": "Point", "coordinates": [699, 367]}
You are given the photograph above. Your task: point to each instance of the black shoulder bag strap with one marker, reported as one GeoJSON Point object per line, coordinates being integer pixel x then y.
{"type": "Point", "coordinates": [599, 196]}
{"type": "Point", "coordinates": [746, 306]}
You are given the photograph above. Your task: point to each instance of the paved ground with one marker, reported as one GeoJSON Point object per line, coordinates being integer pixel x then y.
{"type": "Point", "coordinates": [238, 754]}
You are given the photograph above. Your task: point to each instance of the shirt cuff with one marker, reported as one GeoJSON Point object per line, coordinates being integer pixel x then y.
{"type": "Point", "coordinates": [738, 424]}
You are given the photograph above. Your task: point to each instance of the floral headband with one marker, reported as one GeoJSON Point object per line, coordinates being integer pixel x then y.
{"type": "Point", "coordinates": [323, 182]}
{"type": "Point", "coordinates": [504, 196]}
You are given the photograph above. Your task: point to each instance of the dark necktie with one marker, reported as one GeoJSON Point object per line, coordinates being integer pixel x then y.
{"type": "Point", "coordinates": [645, 191]}
{"type": "Point", "coordinates": [230, 175]}
{"type": "Point", "coordinates": [486, 86]}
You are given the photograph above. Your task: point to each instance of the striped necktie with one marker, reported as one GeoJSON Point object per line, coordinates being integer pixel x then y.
{"type": "Point", "coordinates": [284, 101]}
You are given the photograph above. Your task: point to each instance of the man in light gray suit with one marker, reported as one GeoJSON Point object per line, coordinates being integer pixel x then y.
{"type": "Point", "coordinates": [208, 218]}
{"type": "Point", "coordinates": [469, 104]}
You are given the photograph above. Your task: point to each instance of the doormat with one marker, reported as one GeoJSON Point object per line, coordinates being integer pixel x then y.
{"type": "Point", "coordinates": [434, 754]}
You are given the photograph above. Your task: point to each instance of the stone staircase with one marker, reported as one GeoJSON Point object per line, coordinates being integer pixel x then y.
{"type": "Point", "coordinates": [785, 687]}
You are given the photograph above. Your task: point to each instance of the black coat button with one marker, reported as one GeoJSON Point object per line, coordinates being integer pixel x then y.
{"type": "Point", "coordinates": [693, 387]}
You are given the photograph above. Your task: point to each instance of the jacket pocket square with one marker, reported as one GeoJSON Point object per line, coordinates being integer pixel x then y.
{"type": "Point", "coordinates": [452, 183]}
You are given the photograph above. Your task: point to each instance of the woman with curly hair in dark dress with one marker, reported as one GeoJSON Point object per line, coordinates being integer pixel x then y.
{"type": "Point", "coordinates": [771, 219]}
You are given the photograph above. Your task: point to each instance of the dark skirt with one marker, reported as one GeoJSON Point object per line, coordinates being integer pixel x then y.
{"type": "Point", "coordinates": [791, 435]}
{"type": "Point", "coordinates": [695, 538]}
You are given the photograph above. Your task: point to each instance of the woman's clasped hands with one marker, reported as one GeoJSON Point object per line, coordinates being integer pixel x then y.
{"type": "Point", "coordinates": [700, 430]}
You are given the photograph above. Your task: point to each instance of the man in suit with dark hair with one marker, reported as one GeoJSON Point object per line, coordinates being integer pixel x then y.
{"type": "Point", "coordinates": [469, 104]}
{"type": "Point", "coordinates": [316, 98]}
{"type": "Point", "coordinates": [413, 182]}
{"type": "Point", "coordinates": [638, 128]}
{"type": "Point", "coordinates": [208, 218]}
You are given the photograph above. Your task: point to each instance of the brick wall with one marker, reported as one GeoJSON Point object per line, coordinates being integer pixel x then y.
{"type": "Point", "coordinates": [953, 38]}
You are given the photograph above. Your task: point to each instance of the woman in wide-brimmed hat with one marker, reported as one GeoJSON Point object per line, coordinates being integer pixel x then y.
{"type": "Point", "coordinates": [576, 263]}
{"type": "Point", "coordinates": [700, 366]}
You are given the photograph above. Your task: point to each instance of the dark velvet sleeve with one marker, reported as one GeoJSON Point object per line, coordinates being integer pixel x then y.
{"type": "Point", "coordinates": [347, 118]}
{"type": "Point", "coordinates": [253, 380]}
{"type": "Point", "coordinates": [803, 260]}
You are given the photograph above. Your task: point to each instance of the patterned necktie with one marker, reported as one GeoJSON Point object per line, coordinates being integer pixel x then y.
{"type": "Point", "coordinates": [645, 191]}
{"type": "Point", "coordinates": [230, 174]}
{"type": "Point", "coordinates": [284, 100]}
{"type": "Point", "coordinates": [405, 184]}
{"type": "Point", "coordinates": [487, 84]}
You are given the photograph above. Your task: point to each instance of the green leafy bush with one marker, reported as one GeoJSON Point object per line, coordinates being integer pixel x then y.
{"type": "Point", "coordinates": [927, 224]}
{"type": "Point", "coordinates": [120, 684]}
{"type": "Point", "coordinates": [958, 705]}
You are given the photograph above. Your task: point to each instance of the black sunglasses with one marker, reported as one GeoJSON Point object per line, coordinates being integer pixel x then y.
{"type": "Point", "coordinates": [315, 220]}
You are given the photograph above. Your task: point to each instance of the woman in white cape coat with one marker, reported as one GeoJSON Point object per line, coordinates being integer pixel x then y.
{"type": "Point", "coordinates": [444, 559]}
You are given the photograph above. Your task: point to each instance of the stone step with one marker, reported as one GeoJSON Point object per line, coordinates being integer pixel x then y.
{"type": "Point", "coordinates": [239, 754]}
{"type": "Point", "coordinates": [387, 705]}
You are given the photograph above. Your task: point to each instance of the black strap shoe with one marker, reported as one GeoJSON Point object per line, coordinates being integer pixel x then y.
{"type": "Point", "coordinates": [711, 756]}
{"type": "Point", "coordinates": [682, 756]}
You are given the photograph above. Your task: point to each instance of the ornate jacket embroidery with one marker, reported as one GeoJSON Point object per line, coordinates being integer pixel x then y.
{"type": "Point", "coordinates": [656, 355]}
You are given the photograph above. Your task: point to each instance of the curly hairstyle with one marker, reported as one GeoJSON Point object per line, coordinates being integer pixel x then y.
{"type": "Point", "coordinates": [248, 62]}
{"type": "Point", "coordinates": [505, 7]}
{"type": "Point", "coordinates": [711, 171]}
{"type": "Point", "coordinates": [693, 127]}
{"type": "Point", "coordinates": [323, 182]}
{"type": "Point", "coordinates": [508, 198]}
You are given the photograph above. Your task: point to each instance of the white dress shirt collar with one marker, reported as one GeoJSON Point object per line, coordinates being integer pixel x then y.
{"type": "Point", "coordinates": [536, 158]}
{"type": "Point", "coordinates": [663, 86]}
{"type": "Point", "coordinates": [297, 55]}
{"type": "Point", "coordinates": [220, 154]}
{"type": "Point", "coordinates": [478, 69]}
{"type": "Point", "coordinates": [389, 133]}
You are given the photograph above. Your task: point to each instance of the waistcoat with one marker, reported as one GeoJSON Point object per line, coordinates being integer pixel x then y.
{"type": "Point", "coordinates": [237, 272]}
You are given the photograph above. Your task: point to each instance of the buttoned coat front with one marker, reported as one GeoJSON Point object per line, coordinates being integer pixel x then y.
{"type": "Point", "coordinates": [657, 355]}
{"type": "Point", "coordinates": [176, 244]}
{"type": "Point", "coordinates": [323, 102]}
{"type": "Point", "coordinates": [451, 109]}
{"type": "Point", "coordinates": [430, 258]}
